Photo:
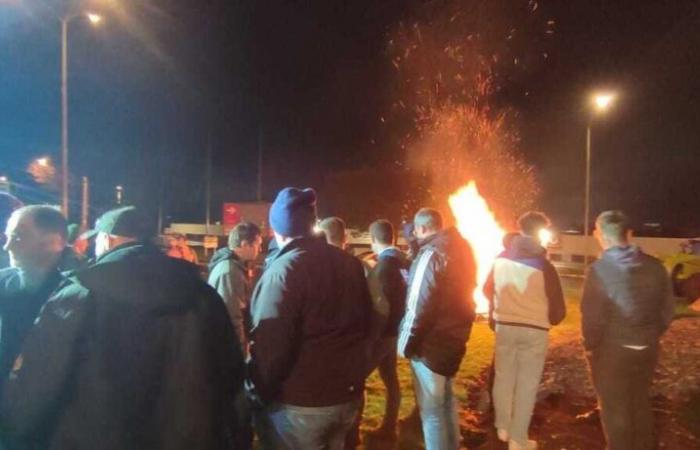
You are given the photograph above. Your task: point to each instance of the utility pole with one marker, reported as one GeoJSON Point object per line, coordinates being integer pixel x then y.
{"type": "Point", "coordinates": [84, 214]}
{"type": "Point", "coordinates": [260, 162]}
{"type": "Point", "coordinates": [64, 116]}
{"type": "Point", "coordinates": [207, 175]}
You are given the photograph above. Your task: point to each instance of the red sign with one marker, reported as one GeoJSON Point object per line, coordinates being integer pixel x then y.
{"type": "Point", "coordinates": [231, 216]}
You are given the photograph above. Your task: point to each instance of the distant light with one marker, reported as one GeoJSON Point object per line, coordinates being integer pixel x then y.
{"type": "Point", "coordinates": [603, 101]}
{"type": "Point", "coordinates": [94, 18]}
{"type": "Point", "coordinates": [119, 188]}
{"type": "Point", "coordinates": [545, 237]}
{"type": "Point", "coordinates": [3, 179]}
{"type": "Point", "coordinates": [43, 162]}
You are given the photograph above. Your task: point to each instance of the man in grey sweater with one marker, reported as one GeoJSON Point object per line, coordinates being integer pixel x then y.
{"type": "Point", "coordinates": [228, 272]}
{"type": "Point", "coordinates": [627, 305]}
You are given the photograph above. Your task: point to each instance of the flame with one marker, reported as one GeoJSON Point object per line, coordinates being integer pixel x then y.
{"type": "Point", "coordinates": [477, 224]}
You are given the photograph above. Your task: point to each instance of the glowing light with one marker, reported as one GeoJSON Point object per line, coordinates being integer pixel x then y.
{"type": "Point", "coordinates": [94, 18]}
{"type": "Point", "coordinates": [603, 101]}
{"type": "Point", "coordinates": [44, 162]}
{"type": "Point", "coordinates": [477, 224]}
{"type": "Point", "coordinates": [546, 237]}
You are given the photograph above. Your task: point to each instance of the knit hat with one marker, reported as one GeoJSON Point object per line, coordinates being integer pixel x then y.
{"type": "Point", "coordinates": [293, 212]}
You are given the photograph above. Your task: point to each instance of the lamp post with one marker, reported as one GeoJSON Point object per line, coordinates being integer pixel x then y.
{"type": "Point", "coordinates": [93, 19]}
{"type": "Point", "coordinates": [601, 103]}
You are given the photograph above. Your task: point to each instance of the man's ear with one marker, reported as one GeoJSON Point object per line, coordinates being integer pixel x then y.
{"type": "Point", "coordinates": [55, 242]}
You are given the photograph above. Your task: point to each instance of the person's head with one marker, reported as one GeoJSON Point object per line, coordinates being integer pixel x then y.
{"type": "Point", "coordinates": [532, 222]}
{"type": "Point", "coordinates": [508, 239]}
{"type": "Point", "coordinates": [36, 237]}
{"type": "Point", "coordinates": [381, 234]}
{"type": "Point", "coordinates": [246, 240]}
{"type": "Point", "coordinates": [334, 230]}
{"type": "Point", "coordinates": [118, 227]}
{"type": "Point", "coordinates": [427, 222]}
{"type": "Point", "coordinates": [612, 229]}
{"type": "Point", "coordinates": [292, 214]}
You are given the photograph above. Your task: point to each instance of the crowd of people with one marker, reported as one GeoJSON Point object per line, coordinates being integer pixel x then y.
{"type": "Point", "coordinates": [132, 349]}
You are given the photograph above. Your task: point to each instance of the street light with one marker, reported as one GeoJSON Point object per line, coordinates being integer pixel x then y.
{"type": "Point", "coordinates": [601, 102]}
{"type": "Point", "coordinates": [43, 162]}
{"type": "Point", "coordinates": [93, 19]}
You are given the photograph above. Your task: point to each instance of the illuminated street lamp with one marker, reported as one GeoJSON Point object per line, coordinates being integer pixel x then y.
{"type": "Point", "coordinates": [601, 102]}
{"type": "Point", "coordinates": [93, 19]}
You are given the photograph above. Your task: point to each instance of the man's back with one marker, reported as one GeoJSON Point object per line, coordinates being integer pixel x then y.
{"type": "Point", "coordinates": [136, 353]}
{"type": "Point", "coordinates": [440, 307]}
{"type": "Point", "coordinates": [627, 299]}
{"type": "Point", "coordinates": [19, 307]}
{"type": "Point", "coordinates": [387, 280]}
{"type": "Point", "coordinates": [311, 312]}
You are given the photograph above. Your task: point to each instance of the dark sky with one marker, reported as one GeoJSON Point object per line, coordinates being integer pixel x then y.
{"type": "Point", "coordinates": [159, 82]}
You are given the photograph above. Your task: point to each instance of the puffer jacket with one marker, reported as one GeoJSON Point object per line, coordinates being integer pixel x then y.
{"type": "Point", "coordinates": [440, 304]}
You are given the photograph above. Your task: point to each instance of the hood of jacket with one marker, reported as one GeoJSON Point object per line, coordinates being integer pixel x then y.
{"type": "Point", "coordinates": [523, 247]}
{"type": "Point", "coordinates": [624, 257]}
{"type": "Point", "coordinates": [142, 277]}
{"type": "Point", "coordinates": [223, 254]}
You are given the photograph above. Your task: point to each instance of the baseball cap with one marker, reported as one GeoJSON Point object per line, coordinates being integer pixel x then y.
{"type": "Point", "coordinates": [126, 221]}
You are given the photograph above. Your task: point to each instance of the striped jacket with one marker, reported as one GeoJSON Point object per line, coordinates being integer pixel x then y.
{"type": "Point", "coordinates": [439, 304]}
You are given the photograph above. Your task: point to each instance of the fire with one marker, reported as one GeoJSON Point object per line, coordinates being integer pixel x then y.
{"type": "Point", "coordinates": [477, 224]}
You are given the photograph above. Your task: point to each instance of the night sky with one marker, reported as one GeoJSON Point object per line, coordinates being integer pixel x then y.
{"type": "Point", "coordinates": [160, 82]}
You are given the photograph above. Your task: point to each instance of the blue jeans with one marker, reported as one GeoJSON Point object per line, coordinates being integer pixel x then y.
{"type": "Point", "coordinates": [287, 427]}
{"type": "Point", "coordinates": [438, 408]}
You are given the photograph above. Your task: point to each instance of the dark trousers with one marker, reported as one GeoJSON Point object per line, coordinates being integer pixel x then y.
{"type": "Point", "coordinates": [622, 378]}
{"type": "Point", "coordinates": [384, 358]}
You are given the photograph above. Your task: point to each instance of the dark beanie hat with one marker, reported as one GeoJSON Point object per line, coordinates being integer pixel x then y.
{"type": "Point", "coordinates": [293, 212]}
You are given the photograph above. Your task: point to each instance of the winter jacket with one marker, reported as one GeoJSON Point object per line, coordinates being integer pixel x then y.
{"type": "Point", "coordinates": [440, 304]}
{"type": "Point", "coordinates": [19, 307]}
{"type": "Point", "coordinates": [311, 313]}
{"type": "Point", "coordinates": [135, 352]}
{"type": "Point", "coordinates": [627, 299]}
{"type": "Point", "coordinates": [229, 276]}
{"type": "Point", "coordinates": [387, 283]}
{"type": "Point", "coordinates": [523, 287]}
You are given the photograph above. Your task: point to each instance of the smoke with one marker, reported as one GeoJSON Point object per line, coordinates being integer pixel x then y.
{"type": "Point", "coordinates": [451, 61]}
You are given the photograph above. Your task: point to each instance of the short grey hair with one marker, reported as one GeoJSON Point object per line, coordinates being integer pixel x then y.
{"type": "Point", "coordinates": [46, 218]}
{"type": "Point", "coordinates": [429, 218]}
{"type": "Point", "coordinates": [614, 225]}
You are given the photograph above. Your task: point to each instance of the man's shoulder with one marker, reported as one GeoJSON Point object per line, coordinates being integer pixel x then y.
{"type": "Point", "coordinates": [8, 272]}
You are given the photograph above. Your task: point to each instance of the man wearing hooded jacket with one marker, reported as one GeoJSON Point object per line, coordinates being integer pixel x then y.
{"type": "Point", "coordinates": [627, 305]}
{"type": "Point", "coordinates": [135, 352]}
{"type": "Point", "coordinates": [437, 324]}
{"type": "Point", "coordinates": [525, 301]}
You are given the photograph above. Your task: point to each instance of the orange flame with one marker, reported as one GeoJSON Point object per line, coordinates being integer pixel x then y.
{"type": "Point", "coordinates": [477, 224]}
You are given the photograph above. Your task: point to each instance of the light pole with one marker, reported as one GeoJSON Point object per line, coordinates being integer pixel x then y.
{"type": "Point", "coordinates": [601, 103]}
{"type": "Point", "coordinates": [94, 19]}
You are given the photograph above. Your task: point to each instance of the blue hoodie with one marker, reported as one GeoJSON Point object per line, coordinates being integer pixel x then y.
{"type": "Point", "coordinates": [627, 299]}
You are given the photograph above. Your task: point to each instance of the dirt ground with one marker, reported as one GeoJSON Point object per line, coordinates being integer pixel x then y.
{"type": "Point", "coordinates": [565, 392]}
